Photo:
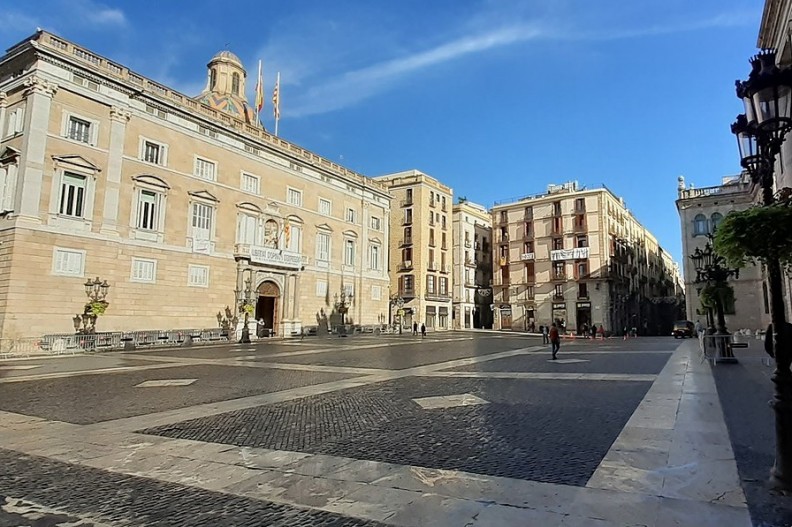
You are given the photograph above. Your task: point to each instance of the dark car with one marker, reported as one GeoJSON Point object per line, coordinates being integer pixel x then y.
{"type": "Point", "coordinates": [682, 329]}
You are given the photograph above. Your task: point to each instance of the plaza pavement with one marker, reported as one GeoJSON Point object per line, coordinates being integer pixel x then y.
{"type": "Point", "coordinates": [458, 429]}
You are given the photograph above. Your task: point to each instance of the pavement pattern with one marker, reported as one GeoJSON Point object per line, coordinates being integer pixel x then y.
{"type": "Point", "coordinates": [459, 428]}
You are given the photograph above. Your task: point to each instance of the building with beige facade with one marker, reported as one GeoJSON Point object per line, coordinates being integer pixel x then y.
{"type": "Point", "coordinates": [576, 257]}
{"type": "Point", "coordinates": [181, 203]}
{"type": "Point", "coordinates": [472, 239]}
{"type": "Point", "coordinates": [700, 211]}
{"type": "Point", "coordinates": [420, 249]}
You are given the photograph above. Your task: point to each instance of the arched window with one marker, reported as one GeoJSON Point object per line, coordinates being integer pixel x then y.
{"type": "Point", "coordinates": [715, 220]}
{"type": "Point", "coordinates": [235, 83]}
{"type": "Point", "coordinates": [212, 78]}
{"type": "Point", "coordinates": [700, 225]}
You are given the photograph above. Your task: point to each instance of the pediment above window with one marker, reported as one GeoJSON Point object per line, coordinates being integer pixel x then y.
{"type": "Point", "coordinates": [76, 161]}
{"type": "Point", "coordinates": [249, 207]}
{"type": "Point", "coordinates": [350, 234]}
{"type": "Point", "coordinates": [375, 240]}
{"type": "Point", "coordinates": [154, 181]}
{"type": "Point", "coordinates": [324, 227]}
{"type": "Point", "coordinates": [9, 154]}
{"type": "Point", "coordinates": [204, 195]}
{"type": "Point", "coordinates": [293, 218]}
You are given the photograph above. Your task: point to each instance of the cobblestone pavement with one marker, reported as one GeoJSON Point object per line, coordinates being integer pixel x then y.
{"type": "Point", "coordinates": [459, 429]}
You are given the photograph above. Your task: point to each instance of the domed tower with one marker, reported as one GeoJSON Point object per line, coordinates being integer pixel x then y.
{"type": "Point", "coordinates": [225, 87]}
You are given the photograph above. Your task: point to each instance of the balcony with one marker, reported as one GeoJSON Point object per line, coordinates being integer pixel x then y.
{"type": "Point", "coordinates": [437, 297]}
{"type": "Point", "coordinates": [527, 257]}
{"type": "Point", "coordinates": [468, 244]}
{"type": "Point", "coordinates": [431, 221]}
{"type": "Point", "coordinates": [579, 227]}
{"type": "Point", "coordinates": [407, 220]}
{"type": "Point", "coordinates": [444, 227]}
{"type": "Point", "coordinates": [559, 276]}
{"type": "Point", "coordinates": [407, 293]}
{"type": "Point", "coordinates": [444, 207]}
{"type": "Point", "coordinates": [470, 263]}
{"type": "Point", "coordinates": [406, 265]}
{"type": "Point", "coordinates": [270, 256]}
{"type": "Point", "coordinates": [469, 282]}
{"type": "Point", "coordinates": [407, 240]}
{"type": "Point", "coordinates": [445, 269]}
{"type": "Point", "coordinates": [503, 261]}
{"type": "Point", "coordinates": [559, 298]}
{"type": "Point", "coordinates": [432, 266]}
{"type": "Point", "coordinates": [432, 243]}
{"type": "Point", "coordinates": [407, 202]}
{"type": "Point", "coordinates": [583, 296]}
{"type": "Point", "coordinates": [432, 203]}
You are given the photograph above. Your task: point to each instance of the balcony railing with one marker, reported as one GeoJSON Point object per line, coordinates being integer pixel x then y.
{"type": "Point", "coordinates": [583, 296]}
{"type": "Point", "coordinates": [468, 244]}
{"type": "Point", "coordinates": [527, 256]}
{"type": "Point", "coordinates": [432, 243]}
{"type": "Point", "coordinates": [444, 207]}
{"type": "Point", "coordinates": [579, 227]}
{"type": "Point", "coordinates": [405, 265]}
{"type": "Point", "coordinates": [470, 263]}
{"type": "Point", "coordinates": [439, 297]}
{"type": "Point", "coordinates": [559, 276]}
{"type": "Point", "coordinates": [445, 269]}
{"type": "Point", "coordinates": [558, 297]}
{"type": "Point", "coordinates": [407, 293]}
{"type": "Point", "coordinates": [407, 240]}
{"type": "Point", "coordinates": [432, 203]}
{"type": "Point", "coordinates": [406, 202]}
{"type": "Point", "coordinates": [407, 220]}
{"type": "Point", "coordinates": [432, 266]}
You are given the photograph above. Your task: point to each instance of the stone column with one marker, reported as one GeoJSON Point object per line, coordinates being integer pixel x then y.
{"type": "Point", "coordinates": [295, 294]}
{"type": "Point", "coordinates": [3, 105]}
{"type": "Point", "coordinates": [39, 95]}
{"type": "Point", "coordinates": [118, 121]}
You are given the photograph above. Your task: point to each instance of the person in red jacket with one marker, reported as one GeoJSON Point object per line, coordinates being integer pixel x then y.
{"type": "Point", "coordinates": [555, 340]}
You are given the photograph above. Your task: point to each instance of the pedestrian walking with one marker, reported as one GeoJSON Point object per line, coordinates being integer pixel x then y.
{"type": "Point", "coordinates": [415, 328]}
{"type": "Point", "coordinates": [423, 330]}
{"type": "Point", "coordinates": [601, 332]}
{"type": "Point", "coordinates": [593, 331]}
{"type": "Point", "coordinates": [699, 328]}
{"type": "Point", "coordinates": [545, 338]}
{"type": "Point", "coordinates": [555, 340]}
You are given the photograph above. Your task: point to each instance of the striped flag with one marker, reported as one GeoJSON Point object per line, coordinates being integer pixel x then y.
{"type": "Point", "coordinates": [259, 91]}
{"type": "Point", "coordinates": [276, 98]}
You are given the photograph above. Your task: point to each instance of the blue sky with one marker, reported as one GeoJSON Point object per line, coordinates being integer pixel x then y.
{"type": "Point", "coordinates": [496, 98]}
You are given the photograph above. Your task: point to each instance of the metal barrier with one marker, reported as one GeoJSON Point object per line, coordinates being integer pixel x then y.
{"type": "Point", "coordinates": [715, 347]}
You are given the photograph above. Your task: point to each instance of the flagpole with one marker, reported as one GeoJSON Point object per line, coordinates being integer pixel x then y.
{"type": "Point", "coordinates": [259, 88]}
{"type": "Point", "coordinates": [277, 104]}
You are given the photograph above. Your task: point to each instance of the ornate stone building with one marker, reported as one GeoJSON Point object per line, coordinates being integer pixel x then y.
{"type": "Point", "coordinates": [578, 256]}
{"type": "Point", "coordinates": [472, 266]}
{"type": "Point", "coordinates": [182, 204]}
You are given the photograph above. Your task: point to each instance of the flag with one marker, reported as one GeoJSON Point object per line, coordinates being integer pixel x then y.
{"type": "Point", "coordinates": [276, 98]}
{"type": "Point", "coordinates": [259, 91]}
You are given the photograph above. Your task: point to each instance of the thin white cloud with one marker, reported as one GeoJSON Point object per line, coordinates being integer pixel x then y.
{"type": "Point", "coordinates": [99, 14]}
{"type": "Point", "coordinates": [351, 87]}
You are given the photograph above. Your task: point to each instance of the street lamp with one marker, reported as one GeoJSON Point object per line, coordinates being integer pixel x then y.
{"type": "Point", "coordinates": [398, 302]}
{"type": "Point", "coordinates": [767, 96]}
{"type": "Point", "coordinates": [342, 304]}
{"type": "Point", "coordinates": [711, 270]}
{"type": "Point", "coordinates": [246, 303]}
{"type": "Point", "coordinates": [96, 290]}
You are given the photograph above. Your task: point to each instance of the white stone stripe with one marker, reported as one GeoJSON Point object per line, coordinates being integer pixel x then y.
{"type": "Point", "coordinates": [58, 375]}
{"type": "Point", "coordinates": [560, 376]}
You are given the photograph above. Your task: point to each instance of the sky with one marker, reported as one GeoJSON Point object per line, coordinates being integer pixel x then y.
{"type": "Point", "coordinates": [495, 98]}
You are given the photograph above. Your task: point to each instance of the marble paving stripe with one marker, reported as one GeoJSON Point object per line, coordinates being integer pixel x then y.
{"type": "Point", "coordinates": [366, 346]}
{"type": "Point", "coordinates": [545, 376]}
{"type": "Point", "coordinates": [58, 375]}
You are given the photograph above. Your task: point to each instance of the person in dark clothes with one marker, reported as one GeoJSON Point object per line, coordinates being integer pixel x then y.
{"type": "Point", "coordinates": [768, 343]}
{"type": "Point", "coordinates": [555, 340]}
{"type": "Point", "coordinates": [415, 328]}
{"type": "Point", "coordinates": [423, 330]}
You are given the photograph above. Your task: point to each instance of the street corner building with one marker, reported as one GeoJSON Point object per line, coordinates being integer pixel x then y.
{"type": "Point", "coordinates": [576, 257]}
{"type": "Point", "coordinates": [184, 205]}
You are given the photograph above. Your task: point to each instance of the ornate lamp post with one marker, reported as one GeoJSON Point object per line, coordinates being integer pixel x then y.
{"type": "Point", "coordinates": [96, 291]}
{"type": "Point", "coordinates": [342, 304]}
{"type": "Point", "coordinates": [767, 96]}
{"type": "Point", "coordinates": [245, 305]}
{"type": "Point", "coordinates": [711, 270]}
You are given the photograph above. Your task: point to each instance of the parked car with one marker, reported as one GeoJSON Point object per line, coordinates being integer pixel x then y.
{"type": "Point", "coordinates": [682, 329]}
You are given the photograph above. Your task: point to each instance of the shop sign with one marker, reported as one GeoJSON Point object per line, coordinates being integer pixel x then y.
{"type": "Point", "coordinates": [584, 304]}
{"type": "Point", "coordinates": [559, 306]}
{"type": "Point", "coordinates": [277, 257]}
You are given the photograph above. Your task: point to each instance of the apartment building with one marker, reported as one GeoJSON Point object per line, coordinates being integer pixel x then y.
{"type": "Point", "coordinates": [182, 204]}
{"type": "Point", "coordinates": [576, 257]}
{"type": "Point", "coordinates": [472, 235]}
{"type": "Point", "coordinates": [420, 249]}
{"type": "Point", "coordinates": [700, 211]}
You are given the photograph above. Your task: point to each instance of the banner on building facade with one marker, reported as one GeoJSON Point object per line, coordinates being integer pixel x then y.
{"type": "Point", "coordinates": [577, 253]}
{"type": "Point", "coordinates": [278, 257]}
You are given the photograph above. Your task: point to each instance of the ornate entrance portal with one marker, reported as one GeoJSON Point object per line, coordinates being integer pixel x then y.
{"type": "Point", "coordinates": [267, 307]}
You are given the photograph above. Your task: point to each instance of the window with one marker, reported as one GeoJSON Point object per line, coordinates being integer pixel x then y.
{"type": "Point", "coordinates": [431, 238]}
{"type": "Point", "coordinates": [16, 121]}
{"type": "Point", "coordinates": [715, 220]}
{"type": "Point", "coordinates": [408, 283]}
{"type": "Point", "coordinates": [527, 228]}
{"type": "Point", "coordinates": [374, 257]}
{"type": "Point", "coordinates": [408, 216]}
{"type": "Point", "coordinates": [68, 262]}
{"type": "Point", "coordinates": [198, 276]}
{"type": "Point", "coordinates": [557, 208]}
{"type": "Point", "coordinates": [582, 241]}
{"type": "Point", "coordinates": [235, 83]}
{"type": "Point", "coordinates": [528, 247]}
{"type": "Point", "coordinates": [204, 169]}
{"type": "Point", "coordinates": [247, 229]}
{"type": "Point", "coordinates": [323, 246]}
{"type": "Point", "coordinates": [294, 197]}
{"type": "Point", "coordinates": [250, 183]}
{"type": "Point", "coordinates": [583, 290]}
{"type": "Point", "coordinates": [79, 130]}
{"type": "Point", "coordinates": [558, 244]}
{"type": "Point", "coordinates": [430, 284]}
{"type": "Point", "coordinates": [325, 207]}
{"type": "Point", "coordinates": [72, 198]}
{"type": "Point", "coordinates": [376, 292]}
{"type": "Point", "coordinates": [580, 205]}
{"type": "Point", "coordinates": [530, 272]}
{"type": "Point", "coordinates": [700, 225]}
{"type": "Point", "coordinates": [148, 210]}
{"type": "Point", "coordinates": [8, 178]}
{"type": "Point", "coordinates": [144, 270]}
{"type": "Point", "coordinates": [350, 215]}
{"type": "Point", "coordinates": [349, 289]}
{"type": "Point", "coordinates": [529, 292]}
{"type": "Point", "coordinates": [212, 78]}
{"type": "Point", "coordinates": [293, 238]}
{"type": "Point", "coordinates": [201, 221]}
{"type": "Point", "coordinates": [321, 288]}
{"type": "Point", "coordinates": [443, 285]}
{"type": "Point", "coordinates": [152, 152]}
{"type": "Point", "coordinates": [558, 292]}
{"type": "Point", "coordinates": [504, 216]}
{"type": "Point", "coordinates": [558, 270]}
{"type": "Point", "coordinates": [582, 269]}
{"type": "Point", "coordinates": [376, 223]}
{"type": "Point", "coordinates": [349, 252]}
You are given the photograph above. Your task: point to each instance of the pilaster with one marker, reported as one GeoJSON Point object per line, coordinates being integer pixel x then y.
{"type": "Point", "coordinates": [38, 94]}
{"type": "Point", "coordinates": [118, 121]}
{"type": "Point", "coordinates": [3, 106]}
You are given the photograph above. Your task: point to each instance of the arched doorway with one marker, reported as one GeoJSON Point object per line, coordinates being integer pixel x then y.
{"type": "Point", "coordinates": [267, 307]}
